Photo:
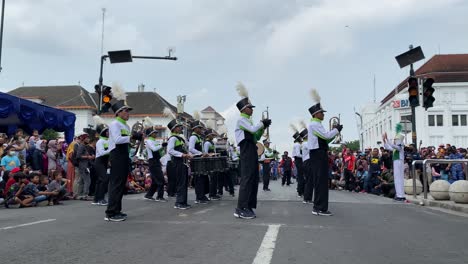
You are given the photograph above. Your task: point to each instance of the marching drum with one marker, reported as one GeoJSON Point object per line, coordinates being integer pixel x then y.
{"type": "Point", "coordinates": [208, 165]}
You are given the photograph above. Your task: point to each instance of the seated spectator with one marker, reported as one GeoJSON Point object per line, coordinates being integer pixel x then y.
{"type": "Point", "coordinates": [11, 160]}
{"type": "Point", "coordinates": [133, 186]}
{"type": "Point", "coordinates": [16, 195]}
{"type": "Point", "coordinates": [32, 188]}
{"type": "Point", "coordinates": [58, 185]}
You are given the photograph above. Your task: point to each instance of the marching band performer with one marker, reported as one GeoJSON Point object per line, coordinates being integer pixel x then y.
{"type": "Point", "coordinates": [155, 151]}
{"type": "Point", "coordinates": [176, 167]}
{"type": "Point", "coordinates": [308, 180]}
{"type": "Point", "coordinates": [196, 149]}
{"type": "Point", "coordinates": [119, 146]}
{"type": "Point", "coordinates": [101, 162]}
{"type": "Point", "coordinates": [267, 156]}
{"type": "Point", "coordinates": [247, 135]}
{"type": "Point", "coordinates": [209, 149]}
{"type": "Point", "coordinates": [226, 180]}
{"type": "Point", "coordinates": [398, 157]}
{"type": "Point", "coordinates": [297, 155]}
{"type": "Point", "coordinates": [318, 150]}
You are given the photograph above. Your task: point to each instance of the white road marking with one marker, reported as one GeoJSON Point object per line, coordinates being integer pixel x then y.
{"type": "Point", "coordinates": [28, 224]}
{"type": "Point", "coordinates": [265, 252]}
{"type": "Point", "coordinates": [203, 211]}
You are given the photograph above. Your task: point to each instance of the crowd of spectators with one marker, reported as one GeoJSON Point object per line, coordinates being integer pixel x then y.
{"type": "Point", "coordinates": [35, 171]}
{"type": "Point", "coordinates": [371, 171]}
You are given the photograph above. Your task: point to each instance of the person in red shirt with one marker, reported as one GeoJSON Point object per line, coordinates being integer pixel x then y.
{"type": "Point", "coordinates": [349, 168]}
{"type": "Point", "coordinates": [11, 180]}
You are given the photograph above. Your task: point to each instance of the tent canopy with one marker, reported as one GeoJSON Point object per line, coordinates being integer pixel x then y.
{"type": "Point", "coordinates": [16, 113]}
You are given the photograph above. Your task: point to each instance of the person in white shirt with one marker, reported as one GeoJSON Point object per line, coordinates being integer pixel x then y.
{"type": "Point", "coordinates": [210, 149]}
{"type": "Point", "coordinates": [196, 149]}
{"type": "Point", "coordinates": [247, 134]}
{"type": "Point", "coordinates": [297, 155]}
{"type": "Point", "coordinates": [119, 146]}
{"type": "Point", "coordinates": [101, 165]}
{"type": "Point", "coordinates": [155, 151]}
{"type": "Point", "coordinates": [318, 140]}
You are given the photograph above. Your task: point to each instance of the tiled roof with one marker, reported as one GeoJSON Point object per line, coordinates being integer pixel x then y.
{"type": "Point", "coordinates": [147, 104]}
{"type": "Point", "coordinates": [447, 68]}
{"type": "Point", "coordinates": [64, 97]}
{"type": "Point", "coordinates": [210, 109]}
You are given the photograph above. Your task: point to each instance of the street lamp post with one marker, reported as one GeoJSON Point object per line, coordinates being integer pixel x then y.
{"type": "Point", "coordinates": [122, 56]}
{"type": "Point", "coordinates": [361, 139]}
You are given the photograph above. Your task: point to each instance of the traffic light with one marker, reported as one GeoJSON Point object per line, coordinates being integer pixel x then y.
{"type": "Point", "coordinates": [428, 91]}
{"type": "Point", "coordinates": [413, 91]}
{"type": "Point", "coordinates": [106, 98]}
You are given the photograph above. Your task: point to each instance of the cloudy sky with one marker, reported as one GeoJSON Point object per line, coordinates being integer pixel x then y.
{"type": "Point", "coordinates": [279, 49]}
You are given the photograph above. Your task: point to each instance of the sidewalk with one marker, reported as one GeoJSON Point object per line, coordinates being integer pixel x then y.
{"type": "Point", "coordinates": [450, 205]}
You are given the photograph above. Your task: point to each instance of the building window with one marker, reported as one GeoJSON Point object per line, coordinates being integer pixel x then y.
{"type": "Point", "coordinates": [440, 120]}
{"type": "Point", "coordinates": [431, 120]}
{"type": "Point", "coordinates": [459, 120]}
{"type": "Point", "coordinates": [454, 120]}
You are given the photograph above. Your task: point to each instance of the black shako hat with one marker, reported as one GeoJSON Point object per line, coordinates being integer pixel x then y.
{"type": "Point", "coordinates": [196, 123]}
{"type": "Point", "coordinates": [119, 106]}
{"type": "Point", "coordinates": [304, 133]}
{"type": "Point", "coordinates": [296, 136]}
{"type": "Point", "coordinates": [101, 129]}
{"type": "Point", "coordinates": [316, 109]}
{"type": "Point", "coordinates": [150, 130]}
{"type": "Point", "coordinates": [173, 124]}
{"type": "Point", "coordinates": [244, 103]}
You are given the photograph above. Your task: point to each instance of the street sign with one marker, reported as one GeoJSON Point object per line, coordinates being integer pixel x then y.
{"type": "Point", "coordinates": [406, 124]}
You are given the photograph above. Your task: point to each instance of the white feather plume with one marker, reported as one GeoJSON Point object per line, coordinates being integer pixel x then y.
{"type": "Point", "coordinates": [168, 112]}
{"type": "Point", "coordinates": [98, 120]}
{"type": "Point", "coordinates": [293, 128]}
{"type": "Point", "coordinates": [196, 115]}
{"type": "Point", "coordinates": [303, 124]}
{"type": "Point", "coordinates": [315, 96]}
{"type": "Point", "coordinates": [241, 90]}
{"type": "Point", "coordinates": [147, 122]}
{"type": "Point", "coordinates": [118, 92]}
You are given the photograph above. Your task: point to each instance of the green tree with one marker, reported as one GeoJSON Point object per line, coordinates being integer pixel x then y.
{"type": "Point", "coordinates": [50, 134]}
{"type": "Point", "coordinates": [353, 145]}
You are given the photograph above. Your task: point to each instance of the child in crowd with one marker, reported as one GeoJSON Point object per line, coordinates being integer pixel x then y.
{"type": "Point", "coordinates": [58, 185]}
{"type": "Point", "coordinates": [16, 196]}
{"type": "Point", "coordinates": [133, 186]}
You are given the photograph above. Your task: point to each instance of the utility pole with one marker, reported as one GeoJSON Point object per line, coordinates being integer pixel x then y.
{"type": "Point", "coordinates": [413, 111]}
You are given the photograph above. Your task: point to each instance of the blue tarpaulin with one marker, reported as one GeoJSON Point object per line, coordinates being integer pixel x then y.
{"type": "Point", "coordinates": [16, 113]}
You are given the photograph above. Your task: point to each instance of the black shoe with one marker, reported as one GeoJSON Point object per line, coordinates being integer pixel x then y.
{"type": "Point", "coordinates": [149, 198]}
{"type": "Point", "coordinates": [161, 200]}
{"type": "Point", "coordinates": [201, 202]}
{"type": "Point", "coordinates": [206, 199]}
{"type": "Point", "coordinates": [215, 198]}
{"type": "Point", "coordinates": [182, 206]}
{"type": "Point", "coordinates": [232, 194]}
{"type": "Point", "coordinates": [252, 212]}
{"type": "Point", "coordinates": [243, 213]}
{"type": "Point", "coordinates": [123, 214]}
{"type": "Point", "coordinates": [115, 218]}
{"type": "Point", "coordinates": [322, 213]}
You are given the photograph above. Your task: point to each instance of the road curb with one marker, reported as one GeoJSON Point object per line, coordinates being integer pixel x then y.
{"type": "Point", "coordinates": [449, 205]}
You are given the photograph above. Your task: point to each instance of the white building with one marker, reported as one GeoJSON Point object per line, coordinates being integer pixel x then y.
{"type": "Point", "coordinates": [212, 118]}
{"type": "Point", "coordinates": [83, 104]}
{"type": "Point", "coordinates": [444, 123]}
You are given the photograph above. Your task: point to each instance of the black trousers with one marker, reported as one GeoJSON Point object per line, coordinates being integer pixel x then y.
{"type": "Point", "coordinates": [221, 182]}
{"type": "Point", "coordinates": [120, 167]}
{"type": "Point", "coordinates": [286, 177]}
{"type": "Point", "coordinates": [180, 172]}
{"type": "Point", "coordinates": [213, 184]}
{"type": "Point", "coordinates": [201, 182]}
{"type": "Point", "coordinates": [229, 181]}
{"type": "Point", "coordinates": [157, 179]}
{"type": "Point", "coordinates": [102, 179]}
{"type": "Point", "coordinates": [171, 179]}
{"type": "Point", "coordinates": [309, 181]}
{"type": "Point", "coordinates": [300, 176]}
{"type": "Point", "coordinates": [248, 188]}
{"type": "Point", "coordinates": [349, 180]}
{"type": "Point", "coordinates": [266, 175]}
{"type": "Point", "coordinates": [319, 171]}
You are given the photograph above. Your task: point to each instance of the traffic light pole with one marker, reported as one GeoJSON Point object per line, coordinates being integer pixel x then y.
{"type": "Point", "coordinates": [104, 57]}
{"type": "Point", "coordinates": [413, 116]}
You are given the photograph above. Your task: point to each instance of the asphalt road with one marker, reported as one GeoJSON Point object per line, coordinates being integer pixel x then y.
{"type": "Point", "coordinates": [364, 229]}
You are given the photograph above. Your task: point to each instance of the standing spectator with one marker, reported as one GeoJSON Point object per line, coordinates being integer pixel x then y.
{"type": "Point", "coordinates": [37, 164]}
{"type": "Point", "coordinates": [456, 169]}
{"type": "Point", "coordinates": [287, 165]}
{"type": "Point", "coordinates": [10, 161]}
{"type": "Point", "coordinates": [71, 166]}
{"type": "Point", "coordinates": [349, 167]}
{"type": "Point", "coordinates": [52, 156]}
{"type": "Point", "coordinates": [82, 177]}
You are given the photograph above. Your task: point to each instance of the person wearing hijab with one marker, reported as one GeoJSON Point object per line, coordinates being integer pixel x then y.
{"type": "Point", "coordinates": [39, 148]}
